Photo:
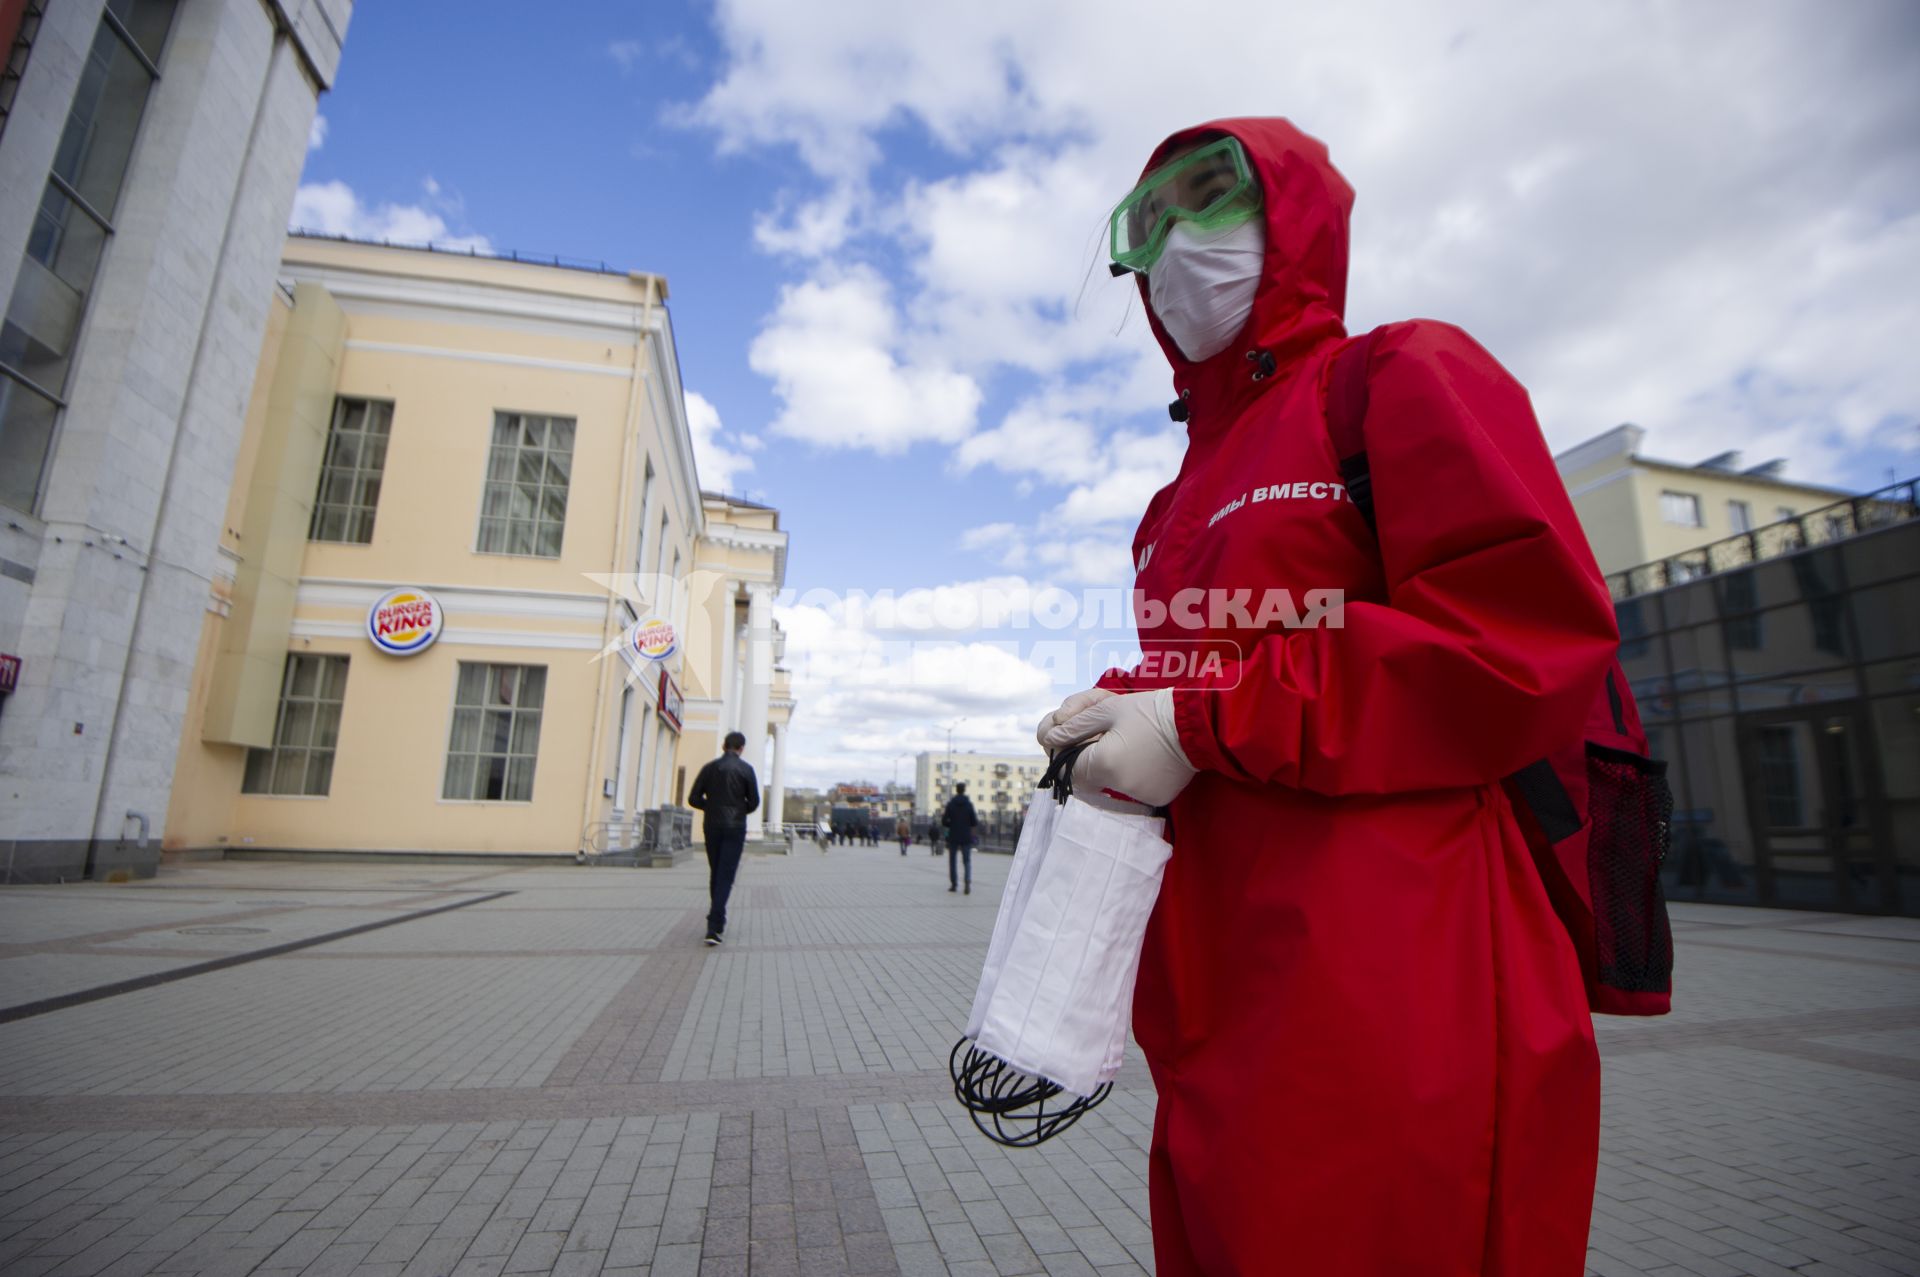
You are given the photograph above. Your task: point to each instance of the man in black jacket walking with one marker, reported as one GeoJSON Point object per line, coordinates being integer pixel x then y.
{"type": "Point", "coordinates": [960, 821]}
{"type": "Point", "coordinates": [726, 790]}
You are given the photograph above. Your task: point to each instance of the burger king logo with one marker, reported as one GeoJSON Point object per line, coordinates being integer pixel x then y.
{"type": "Point", "coordinates": [654, 639]}
{"type": "Point", "coordinates": [404, 621]}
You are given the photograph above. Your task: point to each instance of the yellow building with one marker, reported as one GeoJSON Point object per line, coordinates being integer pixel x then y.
{"type": "Point", "coordinates": [458, 568]}
{"type": "Point", "coordinates": [999, 784]}
{"type": "Point", "coordinates": [1636, 509]}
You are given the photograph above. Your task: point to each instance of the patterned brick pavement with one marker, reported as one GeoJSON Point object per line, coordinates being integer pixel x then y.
{"type": "Point", "coordinates": [560, 1079]}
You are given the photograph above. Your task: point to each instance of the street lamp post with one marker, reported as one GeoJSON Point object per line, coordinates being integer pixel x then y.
{"type": "Point", "coordinates": [950, 726]}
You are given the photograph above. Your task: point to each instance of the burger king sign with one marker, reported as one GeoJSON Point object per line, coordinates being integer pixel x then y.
{"type": "Point", "coordinates": [654, 639]}
{"type": "Point", "coordinates": [404, 621]}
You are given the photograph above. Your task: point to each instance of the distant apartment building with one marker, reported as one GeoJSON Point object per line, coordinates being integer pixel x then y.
{"type": "Point", "coordinates": [149, 152]}
{"type": "Point", "coordinates": [999, 784]}
{"type": "Point", "coordinates": [1637, 509]}
{"type": "Point", "coordinates": [470, 596]}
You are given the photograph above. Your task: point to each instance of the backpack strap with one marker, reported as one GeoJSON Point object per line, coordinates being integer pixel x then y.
{"type": "Point", "coordinates": [1347, 417]}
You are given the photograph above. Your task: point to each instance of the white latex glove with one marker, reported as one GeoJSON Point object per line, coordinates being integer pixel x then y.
{"type": "Point", "coordinates": [1136, 750]}
{"type": "Point", "coordinates": [1049, 738]}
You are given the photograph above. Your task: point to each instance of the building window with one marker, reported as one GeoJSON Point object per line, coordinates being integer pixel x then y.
{"type": "Point", "coordinates": [305, 732]}
{"type": "Point", "coordinates": [524, 510]}
{"type": "Point", "coordinates": [496, 732]}
{"type": "Point", "coordinates": [646, 521]}
{"type": "Point", "coordinates": [1783, 512]}
{"type": "Point", "coordinates": [1682, 508]}
{"type": "Point", "coordinates": [68, 236]}
{"type": "Point", "coordinates": [1780, 777]}
{"type": "Point", "coordinates": [356, 457]}
{"type": "Point", "coordinates": [1739, 602]}
{"type": "Point", "coordinates": [1740, 516]}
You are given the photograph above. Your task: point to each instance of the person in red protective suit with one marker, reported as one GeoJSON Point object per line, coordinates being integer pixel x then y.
{"type": "Point", "coordinates": [1366, 1025]}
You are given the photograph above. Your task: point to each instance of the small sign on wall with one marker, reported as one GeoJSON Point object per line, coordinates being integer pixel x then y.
{"type": "Point", "coordinates": [670, 700]}
{"type": "Point", "coordinates": [654, 639]}
{"type": "Point", "coordinates": [405, 621]}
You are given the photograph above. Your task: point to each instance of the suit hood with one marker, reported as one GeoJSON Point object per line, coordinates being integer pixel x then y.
{"type": "Point", "coordinates": [1302, 295]}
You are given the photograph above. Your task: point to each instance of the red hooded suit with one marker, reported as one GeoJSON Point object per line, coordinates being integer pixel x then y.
{"type": "Point", "coordinates": [1366, 1025]}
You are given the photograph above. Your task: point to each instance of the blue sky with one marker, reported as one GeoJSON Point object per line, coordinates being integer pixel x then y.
{"type": "Point", "coordinates": [881, 238]}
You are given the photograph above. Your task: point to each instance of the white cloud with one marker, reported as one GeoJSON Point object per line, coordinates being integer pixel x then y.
{"type": "Point", "coordinates": [1663, 213]}
{"type": "Point", "coordinates": [1099, 560]}
{"type": "Point", "coordinates": [626, 53]}
{"type": "Point", "coordinates": [1135, 467]}
{"type": "Point", "coordinates": [812, 229]}
{"type": "Point", "coordinates": [718, 465]}
{"type": "Point", "coordinates": [332, 208]}
{"type": "Point", "coordinates": [988, 536]}
{"type": "Point", "coordinates": [1034, 440]}
{"type": "Point", "coordinates": [317, 133]}
{"type": "Point", "coordinates": [867, 702]}
{"type": "Point", "coordinates": [832, 350]}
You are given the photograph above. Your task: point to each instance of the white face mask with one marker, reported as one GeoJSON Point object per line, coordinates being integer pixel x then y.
{"type": "Point", "coordinates": [1202, 287]}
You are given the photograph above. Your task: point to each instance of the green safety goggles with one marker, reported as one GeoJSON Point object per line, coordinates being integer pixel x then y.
{"type": "Point", "coordinates": [1212, 187]}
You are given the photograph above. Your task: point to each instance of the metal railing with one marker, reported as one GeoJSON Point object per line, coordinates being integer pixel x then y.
{"type": "Point", "coordinates": [661, 830]}
{"type": "Point", "coordinates": [1897, 503]}
{"type": "Point", "coordinates": [613, 837]}
{"type": "Point", "coordinates": [510, 255]}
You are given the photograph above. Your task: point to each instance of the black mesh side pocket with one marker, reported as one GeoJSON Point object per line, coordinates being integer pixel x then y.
{"type": "Point", "coordinates": [1630, 809]}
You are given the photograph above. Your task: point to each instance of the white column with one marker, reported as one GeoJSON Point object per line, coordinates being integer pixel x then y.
{"type": "Point", "coordinates": [729, 640]}
{"type": "Point", "coordinates": [753, 709]}
{"type": "Point", "coordinates": [776, 790]}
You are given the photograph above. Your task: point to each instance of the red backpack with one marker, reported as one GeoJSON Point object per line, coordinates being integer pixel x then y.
{"type": "Point", "coordinates": [1596, 813]}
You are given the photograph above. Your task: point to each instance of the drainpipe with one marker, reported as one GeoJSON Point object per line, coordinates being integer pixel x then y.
{"type": "Point", "coordinates": [621, 539]}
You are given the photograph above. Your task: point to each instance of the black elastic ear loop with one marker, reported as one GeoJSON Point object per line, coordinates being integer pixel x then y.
{"type": "Point", "coordinates": [1059, 773]}
{"type": "Point", "coordinates": [1009, 1107]}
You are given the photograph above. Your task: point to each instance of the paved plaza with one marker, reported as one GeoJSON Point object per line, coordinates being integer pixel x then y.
{"type": "Point", "coordinates": [532, 1070]}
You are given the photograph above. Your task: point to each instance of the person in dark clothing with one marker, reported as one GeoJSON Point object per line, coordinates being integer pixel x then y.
{"type": "Point", "coordinates": [726, 790]}
{"type": "Point", "coordinates": [961, 822]}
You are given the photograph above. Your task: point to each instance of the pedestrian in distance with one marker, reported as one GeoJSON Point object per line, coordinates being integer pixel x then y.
{"type": "Point", "coordinates": [933, 834]}
{"type": "Point", "coordinates": [903, 830]}
{"type": "Point", "coordinates": [1368, 1029]}
{"type": "Point", "coordinates": [961, 823]}
{"type": "Point", "coordinates": [727, 791]}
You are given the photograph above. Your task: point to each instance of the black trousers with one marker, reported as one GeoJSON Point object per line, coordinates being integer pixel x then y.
{"type": "Point", "coordinates": [723, 862]}
{"type": "Point", "coordinates": [956, 850]}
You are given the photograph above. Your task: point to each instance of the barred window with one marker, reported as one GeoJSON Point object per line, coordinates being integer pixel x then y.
{"type": "Point", "coordinates": [524, 508]}
{"type": "Point", "coordinates": [349, 493]}
{"type": "Point", "coordinates": [496, 732]}
{"type": "Point", "coordinates": [304, 734]}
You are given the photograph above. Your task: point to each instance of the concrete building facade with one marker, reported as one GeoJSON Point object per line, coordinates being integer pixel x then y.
{"type": "Point", "coordinates": [460, 607]}
{"type": "Point", "coordinates": [148, 158]}
{"type": "Point", "coordinates": [999, 784]}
